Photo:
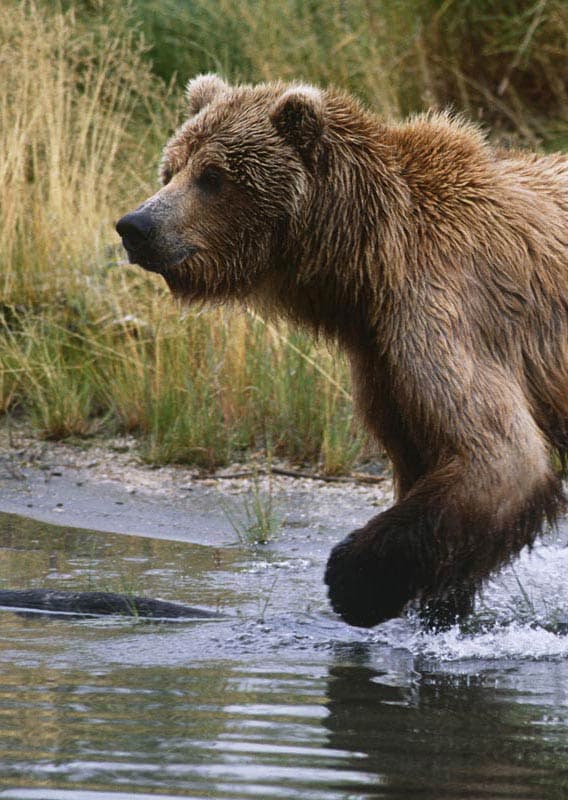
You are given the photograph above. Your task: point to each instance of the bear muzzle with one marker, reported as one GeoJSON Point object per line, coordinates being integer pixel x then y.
{"type": "Point", "coordinates": [140, 236]}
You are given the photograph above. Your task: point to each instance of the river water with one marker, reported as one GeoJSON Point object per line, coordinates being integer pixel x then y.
{"type": "Point", "coordinates": [276, 698]}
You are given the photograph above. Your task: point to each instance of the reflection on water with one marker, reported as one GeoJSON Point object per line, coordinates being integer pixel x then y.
{"type": "Point", "coordinates": [105, 710]}
{"type": "Point", "coordinates": [468, 735]}
{"type": "Point", "coordinates": [312, 731]}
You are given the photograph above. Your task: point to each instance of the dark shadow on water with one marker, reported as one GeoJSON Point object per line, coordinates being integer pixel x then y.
{"type": "Point", "coordinates": [488, 734]}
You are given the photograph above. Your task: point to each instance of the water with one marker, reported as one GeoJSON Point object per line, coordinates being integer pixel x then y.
{"type": "Point", "coordinates": [279, 699]}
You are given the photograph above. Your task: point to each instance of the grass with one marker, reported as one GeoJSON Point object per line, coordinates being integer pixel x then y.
{"type": "Point", "coordinates": [200, 390]}
{"type": "Point", "coordinates": [90, 345]}
{"type": "Point", "coordinates": [69, 152]}
{"type": "Point", "coordinates": [257, 522]}
{"type": "Point", "coordinates": [501, 61]}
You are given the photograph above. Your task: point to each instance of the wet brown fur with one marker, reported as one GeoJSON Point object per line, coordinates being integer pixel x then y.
{"type": "Point", "coordinates": [440, 266]}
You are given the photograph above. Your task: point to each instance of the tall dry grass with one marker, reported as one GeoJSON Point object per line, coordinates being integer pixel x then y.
{"type": "Point", "coordinates": [68, 150]}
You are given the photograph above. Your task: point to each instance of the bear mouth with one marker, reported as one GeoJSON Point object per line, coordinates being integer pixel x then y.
{"type": "Point", "coordinates": [154, 263]}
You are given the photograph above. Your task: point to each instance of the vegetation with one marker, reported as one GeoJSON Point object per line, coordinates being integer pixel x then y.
{"type": "Point", "coordinates": [258, 520]}
{"type": "Point", "coordinates": [501, 61]}
{"type": "Point", "coordinates": [89, 92]}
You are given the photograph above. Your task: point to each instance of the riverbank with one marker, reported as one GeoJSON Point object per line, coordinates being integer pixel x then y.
{"type": "Point", "coordinates": [105, 484]}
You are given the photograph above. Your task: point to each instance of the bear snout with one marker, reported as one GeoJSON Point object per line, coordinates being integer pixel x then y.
{"type": "Point", "coordinates": [136, 230]}
{"type": "Point", "coordinates": [143, 237]}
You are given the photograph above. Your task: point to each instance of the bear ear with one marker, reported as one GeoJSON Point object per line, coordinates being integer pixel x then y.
{"type": "Point", "coordinates": [200, 91]}
{"type": "Point", "coordinates": [298, 116]}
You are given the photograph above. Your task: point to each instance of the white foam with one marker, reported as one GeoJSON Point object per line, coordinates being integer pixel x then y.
{"type": "Point", "coordinates": [515, 641]}
{"type": "Point", "coordinates": [521, 614]}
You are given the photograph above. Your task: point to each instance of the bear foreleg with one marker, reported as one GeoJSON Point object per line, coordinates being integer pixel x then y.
{"type": "Point", "coordinates": [437, 545]}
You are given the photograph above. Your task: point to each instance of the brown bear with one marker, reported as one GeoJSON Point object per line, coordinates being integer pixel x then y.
{"type": "Point", "coordinates": [438, 264]}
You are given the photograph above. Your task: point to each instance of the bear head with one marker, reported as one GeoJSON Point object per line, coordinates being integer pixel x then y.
{"type": "Point", "coordinates": [237, 177]}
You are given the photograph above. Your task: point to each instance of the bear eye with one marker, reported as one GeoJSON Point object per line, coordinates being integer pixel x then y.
{"type": "Point", "coordinates": [166, 175]}
{"type": "Point", "coordinates": [211, 180]}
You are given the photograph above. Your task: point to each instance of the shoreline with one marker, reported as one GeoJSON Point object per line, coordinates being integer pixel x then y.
{"type": "Point", "coordinates": [103, 484]}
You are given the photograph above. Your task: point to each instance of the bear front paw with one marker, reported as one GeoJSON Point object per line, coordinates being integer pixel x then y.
{"type": "Point", "coordinates": [368, 584]}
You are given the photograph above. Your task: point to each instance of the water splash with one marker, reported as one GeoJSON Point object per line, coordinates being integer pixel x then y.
{"type": "Point", "coordinates": [522, 613]}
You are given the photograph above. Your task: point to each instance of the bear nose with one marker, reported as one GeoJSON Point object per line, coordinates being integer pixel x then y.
{"type": "Point", "coordinates": [135, 229]}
